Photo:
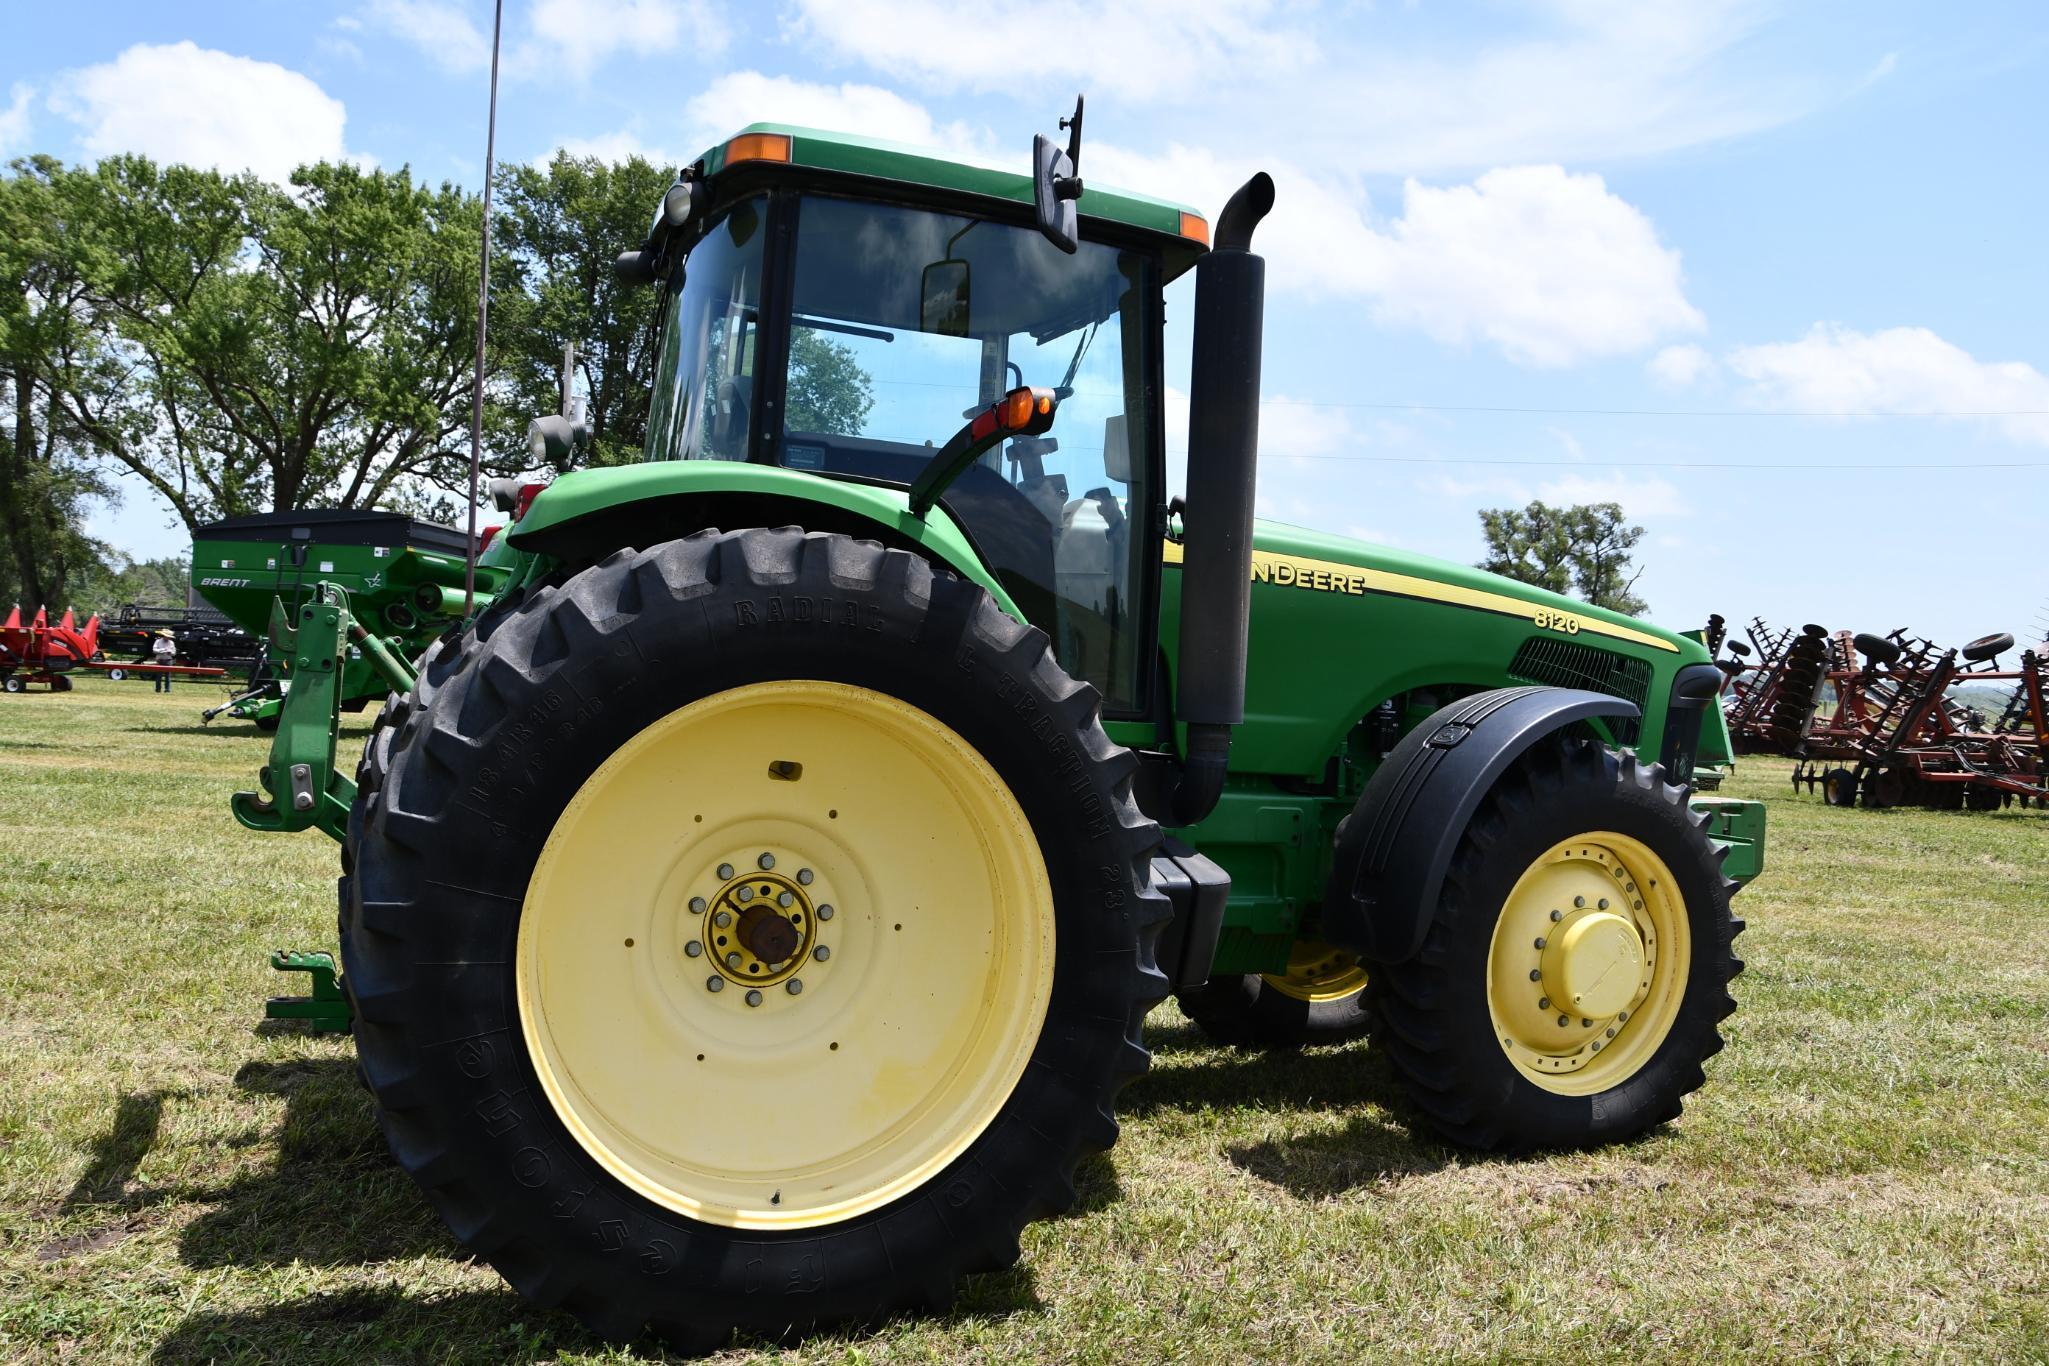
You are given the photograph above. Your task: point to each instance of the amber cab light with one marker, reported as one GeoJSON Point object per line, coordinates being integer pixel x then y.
{"type": "Point", "coordinates": [1194, 228]}
{"type": "Point", "coordinates": [758, 147]}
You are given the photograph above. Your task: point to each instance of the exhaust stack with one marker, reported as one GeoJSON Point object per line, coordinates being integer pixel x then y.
{"type": "Point", "coordinates": [1223, 455]}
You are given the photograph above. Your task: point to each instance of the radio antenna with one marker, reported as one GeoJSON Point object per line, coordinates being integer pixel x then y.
{"type": "Point", "coordinates": [469, 574]}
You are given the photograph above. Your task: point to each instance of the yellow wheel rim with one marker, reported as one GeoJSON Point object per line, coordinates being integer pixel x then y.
{"type": "Point", "coordinates": [1589, 963]}
{"type": "Point", "coordinates": [785, 955]}
{"type": "Point", "coordinates": [1317, 972]}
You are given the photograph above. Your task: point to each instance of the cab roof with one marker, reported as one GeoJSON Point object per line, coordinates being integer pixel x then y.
{"type": "Point", "coordinates": [821, 149]}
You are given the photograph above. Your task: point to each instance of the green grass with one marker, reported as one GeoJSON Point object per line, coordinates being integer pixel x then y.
{"type": "Point", "coordinates": [1866, 1174]}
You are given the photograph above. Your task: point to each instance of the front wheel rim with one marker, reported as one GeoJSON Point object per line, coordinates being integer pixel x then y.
{"type": "Point", "coordinates": [785, 955]}
{"type": "Point", "coordinates": [1589, 963]}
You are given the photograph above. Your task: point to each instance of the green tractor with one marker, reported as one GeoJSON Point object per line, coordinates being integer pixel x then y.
{"type": "Point", "coordinates": [749, 919]}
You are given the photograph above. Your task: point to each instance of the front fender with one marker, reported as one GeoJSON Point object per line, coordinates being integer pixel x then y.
{"type": "Point", "coordinates": [1392, 852]}
{"type": "Point", "coordinates": [587, 514]}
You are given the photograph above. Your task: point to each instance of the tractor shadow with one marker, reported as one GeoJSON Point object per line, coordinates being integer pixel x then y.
{"type": "Point", "coordinates": [488, 1327]}
{"type": "Point", "coordinates": [375, 1325]}
{"type": "Point", "coordinates": [334, 1196]}
{"type": "Point", "coordinates": [1378, 1144]}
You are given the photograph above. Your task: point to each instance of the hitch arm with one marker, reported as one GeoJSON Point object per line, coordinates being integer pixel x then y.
{"type": "Point", "coordinates": [300, 785]}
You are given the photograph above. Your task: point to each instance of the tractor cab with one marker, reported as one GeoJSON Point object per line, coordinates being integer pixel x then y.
{"type": "Point", "coordinates": [821, 318]}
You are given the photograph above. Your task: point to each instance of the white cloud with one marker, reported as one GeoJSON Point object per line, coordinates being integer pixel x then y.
{"type": "Point", "coordinates": [1681, 366]}
{"type": "Point", "coordinates": [1835, 369]}
{"type": "Point", "coordinates": [1357, 89]}
{"type": "Point", "coordinates": [563, 37]}
{"type": "Point", "coordinates": [1646, 497]}
{"type": "Point", "coordinates": [617, 146]}
{"type": "Point", "coordinates": [739, 98]}
{"type": "Point", "coordinates": [14, 121]}
{"type": "Point", "coordinates": [1549, 267]}
{"type": "Point", "coordinates": [584, 34]}
{"type": "Point", "coordinates": [181, 102]}
{"type": "Point", "coordinates": [1130, 49]}
{"type": "Point", "coordinates": [442, 29]}
{"type": "Point", "coordinates": [1495, 487]}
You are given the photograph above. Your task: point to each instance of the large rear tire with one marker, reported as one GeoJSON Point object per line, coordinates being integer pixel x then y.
{"type": "Point", "coordinates": [586, 788]}
{"type": "Point", "coordinates": [1577, 969]}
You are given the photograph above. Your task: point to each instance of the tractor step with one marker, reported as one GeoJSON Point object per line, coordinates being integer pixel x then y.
{"type": "Point", "coordinates": [326, 1009]}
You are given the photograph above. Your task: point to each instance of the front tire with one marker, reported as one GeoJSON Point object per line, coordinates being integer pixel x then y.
{"type": "Point", "coordinates": [1577, 969]}
{"type": "Point", "coordinates": [570, 805]}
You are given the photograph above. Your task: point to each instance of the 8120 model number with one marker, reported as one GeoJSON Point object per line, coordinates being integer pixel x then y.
{"type": "Point", "coordinates": [1550, 620]}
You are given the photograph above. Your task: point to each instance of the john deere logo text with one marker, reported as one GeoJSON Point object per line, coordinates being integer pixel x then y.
{"type": "Point", "coordinates": [1286, 575]}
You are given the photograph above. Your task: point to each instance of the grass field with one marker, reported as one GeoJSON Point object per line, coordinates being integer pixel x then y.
{"type": "Point", "coordinates": [1866, 1174]}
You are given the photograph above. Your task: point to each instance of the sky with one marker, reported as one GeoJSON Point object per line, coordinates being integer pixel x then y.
{"type": "Point", "coordinates": [1769, 275]}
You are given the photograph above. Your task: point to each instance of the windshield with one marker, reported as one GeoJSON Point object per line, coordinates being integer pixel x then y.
{"type": "Point", "coordinates": [704, 381]}
{"type": "Point", "coordinates": [904, 323]}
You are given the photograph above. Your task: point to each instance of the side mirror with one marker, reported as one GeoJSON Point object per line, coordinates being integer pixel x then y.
{"type": "Point", "coordinates": [1055, 184]}
{"type": "Point", "coordinates": [943, 298]}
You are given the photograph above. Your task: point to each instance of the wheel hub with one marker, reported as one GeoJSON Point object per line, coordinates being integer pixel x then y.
{"type": "Point", "coordinates": [757, 926]}
{"type": "Point", "coordinates": [1592, 965]}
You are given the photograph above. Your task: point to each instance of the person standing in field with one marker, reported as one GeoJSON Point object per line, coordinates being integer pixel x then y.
{"type": "Point", "coordinates": [164, 649]}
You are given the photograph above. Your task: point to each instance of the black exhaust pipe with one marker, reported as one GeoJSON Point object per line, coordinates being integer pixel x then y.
{"type": "Point", "coordinates": [1223, 455]}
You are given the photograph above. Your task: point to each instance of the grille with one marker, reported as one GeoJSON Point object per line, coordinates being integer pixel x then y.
{"type": "Point", "coordinates": [1556, 663]}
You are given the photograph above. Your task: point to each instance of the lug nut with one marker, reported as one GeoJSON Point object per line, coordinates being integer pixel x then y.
{"type": "Point", "coordinates": [767, 861]}
{"type": "Point", "coordinates": [1602, 904]}
{"type": "Point", "coordinates": [1540, 941]}
{"type": "Point", "coordinates": [745, 894]}
{"type": "Point", "coordinates": [733, 959]}
{"type": "Point", "coordinates": [785, 899]}
{"type": "Point", "coordinates": [697, 905]}
{"type": "Point", "coordinates": [692, 949]}
{"type": "Point", "coordinates": [1623, 1018]}
{"type": "Point", "coordinates": [725, 872]}
{"type": "Point", "coordinates": [1579, 901]}
{"type": "Point", "coordinates": [722, 919]}
{"type": "Point", "coordinates": [1586, 1024]}
{"type": "Point", "coordinates": [1563, 1021]}
{"type": "Point", "coordinates": [1536, 976]}
{"type": "Point", "coordinates": [796, 986]}
{"type": "Point", "coordinates": [804, 877]}
{"type": "Point", "coordinates": [821, 953]}
{"type": "Point", "coordinates": [825, 911]}
{"type": "Point", "coordinates": [1543, 1003]}
{"type": "Point", "coordinates": [1558, 915]}
{"type": "Point", "coordinates": [754, 998]}
{"type": "Point", "coordinates": [714, 983]}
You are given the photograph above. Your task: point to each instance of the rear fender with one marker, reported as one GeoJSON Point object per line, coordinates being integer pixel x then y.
{"type": "Point", "coordinates": [584, 516]}
{"type": "Point", "coordinates": [1391, 854]}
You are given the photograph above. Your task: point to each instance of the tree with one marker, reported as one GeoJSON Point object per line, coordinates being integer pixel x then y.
{"type": "Point", "coordinates": [828, 390]}
{"type": "Point", "coordinates": [561, 227]}
{"type": "Point", "coordinates": [1583, 549]}
{"type": "Point", "coordinates": [44, 482]}
{"type": "Point", "coordinates": [263, 348]}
